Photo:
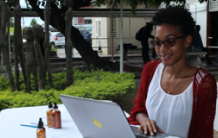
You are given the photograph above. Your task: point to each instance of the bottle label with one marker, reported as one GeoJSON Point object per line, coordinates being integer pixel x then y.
{"type": "Point", "coordinates": [41, 135]}
{"type": "Point", "coordinates": [49, 120]}
{"type": "Point", "coordinates": [56, 120]}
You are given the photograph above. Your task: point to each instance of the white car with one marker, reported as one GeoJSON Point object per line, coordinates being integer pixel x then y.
{"type": "Point", "coordinates": [57, 39]}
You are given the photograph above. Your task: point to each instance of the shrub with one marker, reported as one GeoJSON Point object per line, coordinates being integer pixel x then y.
{"type": "Point", "coordinates": [94, 85]}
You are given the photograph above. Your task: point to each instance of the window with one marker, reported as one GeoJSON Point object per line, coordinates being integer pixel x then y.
{"type": "Point", "coordinates": [59, 35]}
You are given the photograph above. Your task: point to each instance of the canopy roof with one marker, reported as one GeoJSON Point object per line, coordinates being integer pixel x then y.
{"type": "Point", "coordinates": [98, 13]}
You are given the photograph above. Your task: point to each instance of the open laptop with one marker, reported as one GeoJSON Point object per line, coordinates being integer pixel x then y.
{"type": "Point", "coordinates": [101, 119]}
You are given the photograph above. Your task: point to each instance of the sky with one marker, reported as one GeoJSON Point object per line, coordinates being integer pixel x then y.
{"type": "Point", "coordinates": [25, 21]}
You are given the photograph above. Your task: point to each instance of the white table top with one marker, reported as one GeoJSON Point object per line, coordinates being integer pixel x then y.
{"type": "Point", "coordinates": [10, 120]}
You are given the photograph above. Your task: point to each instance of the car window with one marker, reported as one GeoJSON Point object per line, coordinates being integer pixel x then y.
{"type": "Point", "coordinates": [84, 32]}
{"type": "Point", "coordinates": [59, 35]}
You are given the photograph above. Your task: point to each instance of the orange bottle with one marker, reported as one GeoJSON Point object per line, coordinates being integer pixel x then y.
{"type": "Point", "coordinates": [49, 115]}
{"type": "Point", "coordinates": [56, 117]}
{"type": "Point", "coordinates": [40, 132]}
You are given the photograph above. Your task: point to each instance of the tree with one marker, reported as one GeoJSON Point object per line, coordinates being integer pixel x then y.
{"type": "Point", "coordinates": [68, 45]}
{"type": "Point", "coordinates": [33, 22]}
{"type": "Point", "coordinates": [18, 52]}
{"type": "Point", "coordinates": [46, 41]}
{"type": "Point", "coordinates": [4, 14]}
{"type": "Point", "coordinates": [57, 21]}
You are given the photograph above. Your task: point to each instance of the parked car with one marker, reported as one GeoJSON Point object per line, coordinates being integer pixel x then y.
{"type": "Point", "coordinates": [57, 39]}
{"type": "Point", "coordinates": [87, 35]}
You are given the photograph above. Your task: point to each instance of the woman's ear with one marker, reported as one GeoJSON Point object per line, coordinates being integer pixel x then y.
{"type": "Point", "coordinates": [188, 41]}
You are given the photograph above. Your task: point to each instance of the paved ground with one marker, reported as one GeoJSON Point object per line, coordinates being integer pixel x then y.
{"type": "Point", "coordinates": [215, 134]}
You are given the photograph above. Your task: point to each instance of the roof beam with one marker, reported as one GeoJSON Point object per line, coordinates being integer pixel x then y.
{"type": "Point", "coordinates": [98, 13]}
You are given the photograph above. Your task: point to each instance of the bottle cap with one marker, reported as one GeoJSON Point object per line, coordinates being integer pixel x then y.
{"type": "Point", "coordinates": [55, 105]}
{"type": "Point", "coordinates": [40, 124]}
{"type": "Point", "coordinates": [50, 105]}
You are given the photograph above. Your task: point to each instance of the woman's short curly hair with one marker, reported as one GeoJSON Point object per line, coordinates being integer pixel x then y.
{"type": "Point", "coordinates": [178, 16]}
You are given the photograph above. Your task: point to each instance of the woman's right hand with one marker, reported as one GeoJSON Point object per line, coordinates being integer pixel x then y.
{"type": "Point", "coordinates": [150, 125]}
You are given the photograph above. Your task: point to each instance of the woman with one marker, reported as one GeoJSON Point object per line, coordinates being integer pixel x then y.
{"type": "Point", "coordinates": [175, 97]}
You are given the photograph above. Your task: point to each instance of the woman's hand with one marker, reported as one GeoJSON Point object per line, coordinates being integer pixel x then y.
{"type": "Point", "coordinates": [150, 125]}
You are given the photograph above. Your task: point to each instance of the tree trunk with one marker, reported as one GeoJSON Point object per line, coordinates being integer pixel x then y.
{"type": "Point", "coordinates": [46, 42]}
{"type": "Point", "coordinates": [18, 54]}
{"type": "Point", "coordinates": [83, 47]}
{"type": "Point", "coordinates": [68, 45]}
{"type": "Point", "coordinates": [4, 49]}
{"type": "Point", "coordinates": [4, 18]}
{"type": "Point", "coordinates": [39, 52]}
{"type": "Point", "coordinates": [41, 63]}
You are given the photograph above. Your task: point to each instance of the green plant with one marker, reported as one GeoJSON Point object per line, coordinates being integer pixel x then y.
{"type": "Point", "coordinates": [95, 85]}
{"type": "Point", "coordinates": [33, 22]}
{"type": "Point", "coordinates": [53, 49]}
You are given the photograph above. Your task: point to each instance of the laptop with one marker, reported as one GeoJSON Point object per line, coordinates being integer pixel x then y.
{"type": "Point", "coordinates": [101, 119]}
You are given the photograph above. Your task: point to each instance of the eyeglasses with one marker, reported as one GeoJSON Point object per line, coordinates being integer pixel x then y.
{"type": "Point", "coordinates": [170, 42]}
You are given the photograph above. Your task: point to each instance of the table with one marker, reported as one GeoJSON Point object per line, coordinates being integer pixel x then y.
{"type": "Point", "coordinates": [10, 120]}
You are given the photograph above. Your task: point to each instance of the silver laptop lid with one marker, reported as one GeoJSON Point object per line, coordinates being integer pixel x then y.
{"type": "Point", "coordinates": [97, 119]}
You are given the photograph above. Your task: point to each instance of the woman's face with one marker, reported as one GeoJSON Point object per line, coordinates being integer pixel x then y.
{"type": "Point", "coordinates": [177, 50]}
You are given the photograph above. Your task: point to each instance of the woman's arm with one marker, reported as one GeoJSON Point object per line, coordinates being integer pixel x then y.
{"type": "Point", "coordinates": [204, 108]}
{"type": "Point", "coordinates": [139, 102]}
{"type": "Point", "coordinates": [141, 117]}
{"type": "Point", "coordinates": [147, 124]}
{"type": "Point", "coordinates": [139, 112]}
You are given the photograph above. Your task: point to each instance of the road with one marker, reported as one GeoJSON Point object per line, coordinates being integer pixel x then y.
{"type": "Point", "coordinates": [61, 53]}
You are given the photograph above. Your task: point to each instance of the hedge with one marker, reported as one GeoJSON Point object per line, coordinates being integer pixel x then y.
{"type": "Point", "coordinates": [99, 85]}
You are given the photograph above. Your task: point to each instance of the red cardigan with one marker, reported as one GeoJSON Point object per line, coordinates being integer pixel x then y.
{"type": "Point", "coordinates": [204, 100]}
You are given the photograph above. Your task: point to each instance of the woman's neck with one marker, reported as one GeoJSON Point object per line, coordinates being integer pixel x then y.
{"type": "Point", "coordinates": [178, 69]}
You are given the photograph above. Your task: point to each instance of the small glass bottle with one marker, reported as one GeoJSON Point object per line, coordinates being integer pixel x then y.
{"type": "Point", "coordinates": [40, 132]}
{"type": "Point", "coordinates": [56, 117]}
{"type": "Point", "coordinates": [49, 115]}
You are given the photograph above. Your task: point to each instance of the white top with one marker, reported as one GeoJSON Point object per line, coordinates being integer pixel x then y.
{"type": "Point", "coordinates": [172, 113]}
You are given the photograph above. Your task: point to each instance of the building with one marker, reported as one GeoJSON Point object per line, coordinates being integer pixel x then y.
{"type": "Point", "coordinates": [205, 15]}
{"type": "Point", "coordinates": [101, 27]}
{"type": "Point", "coordinates": [101, 32]}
